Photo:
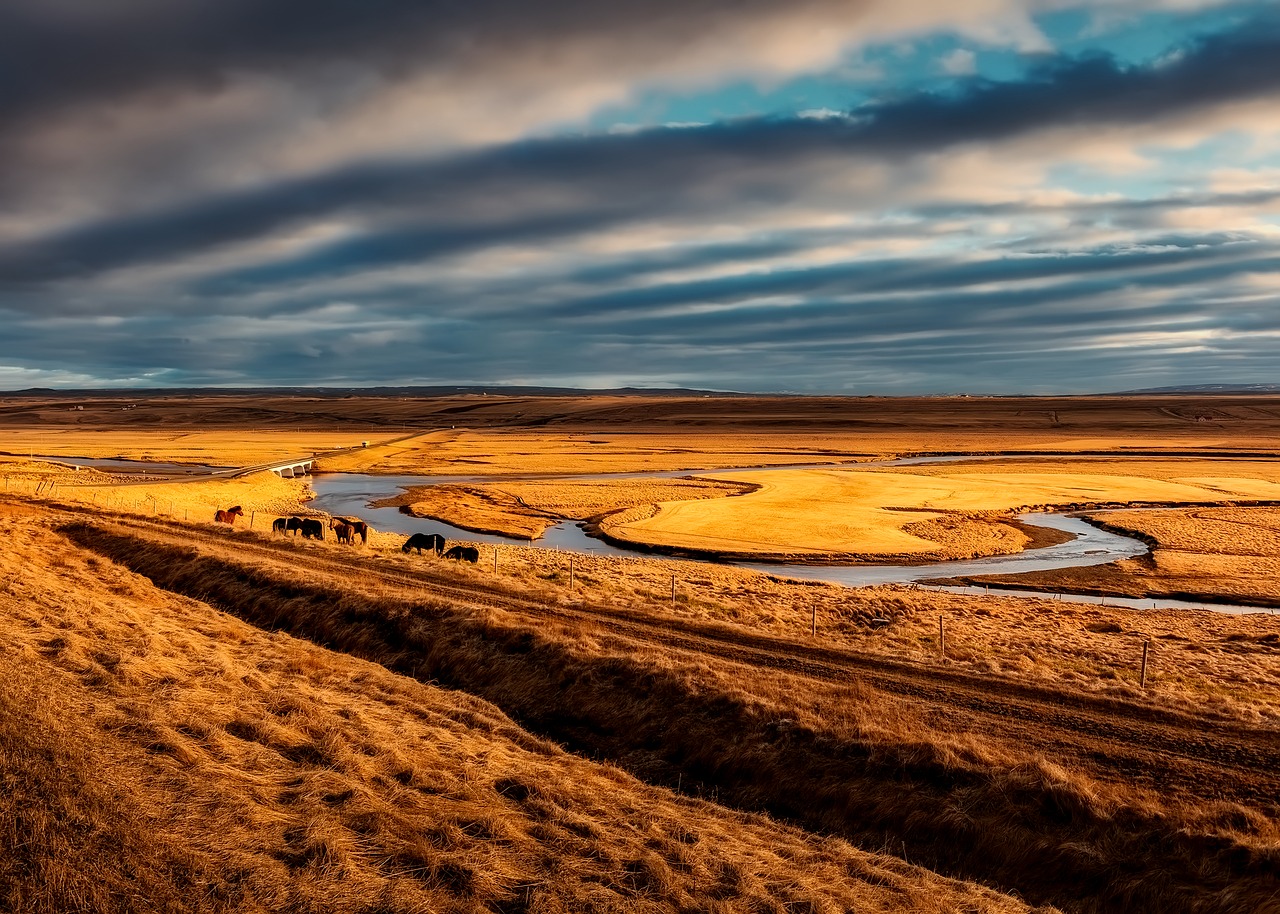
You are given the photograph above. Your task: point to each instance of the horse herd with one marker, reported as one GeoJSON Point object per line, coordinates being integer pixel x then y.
{"type": "Point", "coordinates": [346, 529]}
{"type": "Point", "coordinates": [435, 542]}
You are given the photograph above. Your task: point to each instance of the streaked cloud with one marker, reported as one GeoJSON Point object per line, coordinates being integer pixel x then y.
{"type": "Point", "coordinates": [415, 193]}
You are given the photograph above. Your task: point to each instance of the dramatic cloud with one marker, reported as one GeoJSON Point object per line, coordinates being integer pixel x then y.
{"type": "Point", "coordinates": [254, 192]}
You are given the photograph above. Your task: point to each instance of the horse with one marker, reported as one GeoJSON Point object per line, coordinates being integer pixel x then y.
{"type": "Point", "coordinates": [228, 516]}
{"type": "Point", "coordinates": [294, 524]}
{"type": "Point", "coordinates": [343, 531]}
{"type": "Point", "coordinates": [461, 553]}
{"type": "Point", "coordinates": [422, 541]}
{"type": "Point", "coordinates": [312, 529]}
{"type": "Point", "coordinates": [358, 527]}
{"type": "Point", "coordinates": [278, 525]}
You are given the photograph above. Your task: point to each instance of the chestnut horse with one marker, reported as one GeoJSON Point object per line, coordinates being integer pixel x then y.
{"type": "Point", "coordinates": [229, 516]}
{"type": "Point", "coordinates": [358, 528]}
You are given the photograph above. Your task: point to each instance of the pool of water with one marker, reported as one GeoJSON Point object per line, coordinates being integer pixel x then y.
{"type": "Point", "coordinates": [134, 467]}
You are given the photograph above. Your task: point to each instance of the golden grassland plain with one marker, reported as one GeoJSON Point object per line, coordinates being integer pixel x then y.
{"type": "Point", "coordinates": [245, 770]}
{"type": "Point", "coordinates": [1224, 664]}
{"type": "Point", "coordinates": [497, 435]}
{"type": "Point", "coordinates": [937, 511]}
{"type": "Point", "coordinates": [835, 753]}
{"type": "Point", "coordinates": [158, 754]}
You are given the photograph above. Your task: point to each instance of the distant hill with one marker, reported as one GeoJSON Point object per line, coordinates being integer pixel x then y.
{"type": "Point", "coordinates": [1205, 389]}
{"type": "Point", "coordinates": [434, 391]}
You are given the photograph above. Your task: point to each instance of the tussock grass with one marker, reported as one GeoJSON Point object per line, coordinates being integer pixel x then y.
{"type": "Point", "coordinates": [1205, 663]}
{"type": "Point", "coordinates": [159, 755]}
{"type": "Point", "coordinates": [838, 760]}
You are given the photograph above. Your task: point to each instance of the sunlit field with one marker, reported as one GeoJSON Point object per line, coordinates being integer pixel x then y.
{"type": "Point", "coordinates": [270, 722]}
{"type": "Point", "coordinates": [1227, 555]}
{"type": "Point", "coordinates": [918, 511]}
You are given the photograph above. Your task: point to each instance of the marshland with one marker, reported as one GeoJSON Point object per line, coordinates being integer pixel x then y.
{"type": "Point", "coordinates": [205, 716]}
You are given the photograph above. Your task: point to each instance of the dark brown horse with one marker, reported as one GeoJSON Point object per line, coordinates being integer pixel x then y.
{"type": "Point", "coordinates": [342, 530]}
{"type": "Point", "coordinates": [358, 528]}
{"type": "Point", "coordinates": [279, 525]}
{"type": "Point", "coordinates": [463, 554]}
{"type": "Point", "coordinates": [228, 516]}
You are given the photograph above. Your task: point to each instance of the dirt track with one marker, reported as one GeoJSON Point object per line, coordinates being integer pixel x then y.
{"type": "Point", "coordinates": [1114, 741]}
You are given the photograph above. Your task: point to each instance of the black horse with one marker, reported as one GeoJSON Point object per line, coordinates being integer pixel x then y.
{"type": "Point", "coordinates": [422, 541]}
{"type": "Point", "coordinates": [293, 524]}
{"type": "Point", "coordinates": [463, 553]}
{"type": "Point", "coordinates": [312, 530]}
{"type": "Point", "coordinates": [278, 525]}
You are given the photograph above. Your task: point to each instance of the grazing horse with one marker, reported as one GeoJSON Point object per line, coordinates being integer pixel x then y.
{"type": "Point", "coordinates": [343, 531]}
{"type": "Point", "coordinates": [294, 524]}
{"type": "Point", "coordinates": [358, 528]}
{"type": "Point", "coordinates": [463, 553]}
{"type": "Point", "coordinates": [422, 541]}
{"type": "Point", "coordinates": [278, 525]}
{"type": "Point", "coordinates": [228, 516]}
{"type": "Point", "coordinates": [312, 530]}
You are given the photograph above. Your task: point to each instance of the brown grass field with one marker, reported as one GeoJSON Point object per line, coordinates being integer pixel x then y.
{"type": "Point", "coordinates": [526, 508]}
{"type": "Point", "coordinates": [200, 717]}
{"type": "Point", "coordinates": [1213, 555]}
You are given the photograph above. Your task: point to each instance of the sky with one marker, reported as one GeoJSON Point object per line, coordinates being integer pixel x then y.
{"type": "Point", "coordinates": [811, 196]}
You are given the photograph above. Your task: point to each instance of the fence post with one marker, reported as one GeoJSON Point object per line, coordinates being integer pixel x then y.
{"type": "Point", "coordinates": [1145, 647]}
{"type": "Point", "coordinates": [813, 620]}
{"type": "Point", "coordinates": [571, 571]}
{"type": "Point", "coordinates": [252, 515]}
{"type": "Point", "coordinates": [673, 590]}
{"type": "Point", "coordinates": [495, 557]}
{"type": "Point", "coordinates": [942, 639]}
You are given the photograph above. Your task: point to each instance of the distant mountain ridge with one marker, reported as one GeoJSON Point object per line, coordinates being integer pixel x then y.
{"type": "Point", "coordinates": [136, 393]}
{"type": "Point", "coordinates": [1205, 389]}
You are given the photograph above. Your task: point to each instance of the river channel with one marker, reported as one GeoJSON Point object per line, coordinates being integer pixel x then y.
{"type": "Point", "coordinates": [351, 494]}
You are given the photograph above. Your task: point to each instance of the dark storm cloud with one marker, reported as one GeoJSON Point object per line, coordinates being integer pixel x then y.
{"type": "Point", "coordinates": [499, 195]}
{"type": "Point", "coordinates": [922, 275]}
{"type": "Point", "coordinates": [76, 52]}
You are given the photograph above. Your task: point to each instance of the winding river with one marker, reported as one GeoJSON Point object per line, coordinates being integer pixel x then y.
{"type": "Point", "coordinates": [352, 493]}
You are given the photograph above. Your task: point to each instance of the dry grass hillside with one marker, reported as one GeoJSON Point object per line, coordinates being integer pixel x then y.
{"type": "Point", "coordinates": [1104, 815]}
{"type": "Point", "coordinates": [199, 717]}
{"type": "Point", "coordinates": [157, 754]}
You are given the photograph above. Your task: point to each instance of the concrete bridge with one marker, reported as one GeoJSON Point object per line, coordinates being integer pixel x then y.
{"type": "Point", "coordinates": [293, 468]}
